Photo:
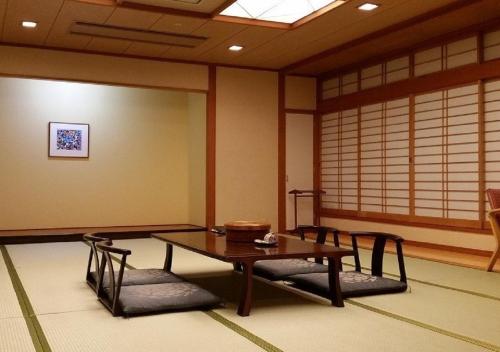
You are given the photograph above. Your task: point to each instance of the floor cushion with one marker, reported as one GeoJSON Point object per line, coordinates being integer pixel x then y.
{"type": "Point", "coordinates": [352, 284]}
{"type": "Point", "coordinates": [143, 299]}
{"type": "Point", "coordinates": [282, 268]}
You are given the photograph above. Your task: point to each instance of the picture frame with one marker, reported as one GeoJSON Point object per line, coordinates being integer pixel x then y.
{"type": "Point", "coordinates": [69, 140]}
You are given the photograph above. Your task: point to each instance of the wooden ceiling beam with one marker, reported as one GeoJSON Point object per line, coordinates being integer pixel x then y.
{"type": "Point", "coordinates": [380, 33]}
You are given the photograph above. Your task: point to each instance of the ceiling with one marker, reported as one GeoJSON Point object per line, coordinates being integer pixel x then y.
{"type": "Point", "coordinates": [264, 46]}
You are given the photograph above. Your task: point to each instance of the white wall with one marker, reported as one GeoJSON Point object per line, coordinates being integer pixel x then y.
{"type": "Point", "coordinates": [247, 146]}
{"type": "Point", "coordinates": [138, 169]}
{"type": "Point", "coordinates": [197, 157]}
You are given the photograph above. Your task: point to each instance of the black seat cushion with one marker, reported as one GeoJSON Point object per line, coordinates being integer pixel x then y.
{"type": "Point", "coordinates": [143, 299]}
{"type": "Point", "coordinates": [352, 284]}
{"type": "Point", "coordinates": [141, 277]}
{"type": "Point", "coordinates": [282, 268]}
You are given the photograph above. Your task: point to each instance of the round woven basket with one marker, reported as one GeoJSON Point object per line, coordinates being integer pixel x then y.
{"type": "Point", "coordinates": [246, 231]}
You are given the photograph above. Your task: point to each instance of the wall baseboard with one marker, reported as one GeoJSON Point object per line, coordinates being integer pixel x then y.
{"type": "Point", "coordinates": [76, 233]}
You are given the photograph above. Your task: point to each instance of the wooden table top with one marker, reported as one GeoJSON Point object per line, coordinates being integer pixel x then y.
{"type": "Point", "coordinates": [211, 245]}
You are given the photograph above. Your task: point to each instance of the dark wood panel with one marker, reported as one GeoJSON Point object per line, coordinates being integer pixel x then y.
{"type": "Point", "coordinates": [75, 233]}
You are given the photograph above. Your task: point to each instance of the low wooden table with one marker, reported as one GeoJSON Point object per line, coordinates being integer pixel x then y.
{"type": "Point", "coordinates": [244, 255]}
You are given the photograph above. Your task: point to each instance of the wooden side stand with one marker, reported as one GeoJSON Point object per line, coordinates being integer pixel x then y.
{"type": "Point", "coordinates": [301, 193]}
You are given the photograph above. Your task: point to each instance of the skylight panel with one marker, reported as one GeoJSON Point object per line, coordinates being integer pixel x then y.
{"type": "Point", "coordinates": [284, 11]}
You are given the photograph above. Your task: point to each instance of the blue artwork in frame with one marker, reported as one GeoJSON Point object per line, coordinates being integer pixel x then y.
{"type": "Point", "coordinates": [70, 140]}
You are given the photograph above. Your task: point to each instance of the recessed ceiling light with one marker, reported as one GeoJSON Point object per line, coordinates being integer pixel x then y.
{"type": "Point", "coordinates": [235, 48]}
{"type": "Point", "coordinates": [367, 7]}
{"type": "Point", "coordinates": [29, 24]}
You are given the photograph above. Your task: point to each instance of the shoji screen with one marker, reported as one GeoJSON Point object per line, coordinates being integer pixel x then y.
{"type": "Point", "coordinates": [447, 56]}
{"type": "Point", "coordinates": [384, 162]}
{"type": "Point", "coordinates": [492, 135]}
{"type": "Point", "coordinates": [339, 160]}
{"type": "Point", "coordinates": [446, 154]}
{"type": "Point", "coordinates": [491, 45]}
{"type": "Point", "coordinates": [331, 88]}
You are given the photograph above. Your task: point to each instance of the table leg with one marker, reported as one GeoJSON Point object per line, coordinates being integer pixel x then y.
{"type": "Point", "coordinates": [237, 266]}
{"type": "Point", "coordinates": [246, 290]}
{"type": "Point", "coordinates": [168, 258]}
{"type": "Point", "coordinates": [334, 282]}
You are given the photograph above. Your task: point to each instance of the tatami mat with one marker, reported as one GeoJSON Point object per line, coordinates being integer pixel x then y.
{"type": "Point", "coordinates": [9, 306]}
{"type": "Point", "coordinates": [53, 275]}
{"type": "Point", "coordinates": [320, 327]}
{"type": "Point", "coordinates": [73, 320]}
{"type": "Point", "coordinates": [97, 331]}
{"type": "Point", "coordinates": [150, 253]}
{"type": "Point", "coordinates": [458, 312]}
{"type": "Point", "coordinates": [15, 336]}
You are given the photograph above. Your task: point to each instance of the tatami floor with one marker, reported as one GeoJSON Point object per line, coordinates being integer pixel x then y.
{"type": "Point", "coordinates": [46, 305]}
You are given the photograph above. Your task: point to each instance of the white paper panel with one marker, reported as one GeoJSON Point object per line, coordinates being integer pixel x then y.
{"type": "Point", "coordinates": [339, 160]}
{"type": "Point", "coordinates": [492, 45]}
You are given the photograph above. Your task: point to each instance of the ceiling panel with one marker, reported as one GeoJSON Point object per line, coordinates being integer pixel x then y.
{"type": "Point", "coordinates": [147, 49]}
{"type": "Point", "coordinates": [133, 19]}
{"type": "Point", "coordinates": [178, 24]}
{"type": "Point", "coordinates": [108, 45]}
{"type": "Point", "coordinates": [250, 38]}
{"type": "Point", "coordinates": [402, 12]}
{"type": "Point", "coordinates": [206, 6]}
{"type": "Point", "coordinates": [293, 42]}
{"type": "Point", "coordinates": [73, 11]}
{"type": "Point", "coordinates": [353, 26]}
{"type": "Point", "coordinates": [42, 12]}
{"type": "Point", "coordinates": [216, 32]}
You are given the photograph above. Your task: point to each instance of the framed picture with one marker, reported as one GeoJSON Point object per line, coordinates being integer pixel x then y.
{"type": "Point", "coordinates": [70, 140]}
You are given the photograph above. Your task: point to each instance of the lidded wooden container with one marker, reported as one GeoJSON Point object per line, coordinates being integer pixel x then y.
{"type": "Point", "coordinates": [246, 231]}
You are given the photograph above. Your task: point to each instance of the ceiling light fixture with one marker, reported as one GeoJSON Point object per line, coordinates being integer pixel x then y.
{"type": "Point", "coordinates": [284, 11]}
{"type": "Point", "coordinates": [29, 24]}
{"type": "Point", "coordinates": [235, 48]}
{"type": "Point", "coordinates": [367, 7]}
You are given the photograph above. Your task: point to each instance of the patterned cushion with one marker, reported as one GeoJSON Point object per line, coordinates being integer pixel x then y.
{"type": "Point", "coordinates": [141, 277]}
{"type": "Point", "coordinates": [352, 284]}
{"type": "Point", "coordinates": [282, 268]}
{"type": "Point", "coordinates": [142, 299]}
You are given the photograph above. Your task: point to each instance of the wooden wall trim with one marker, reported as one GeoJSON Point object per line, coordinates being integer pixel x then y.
{"type": "Point", "coordinates": [481, 154]}
{"type": "Point", "coordinates": [401, 221]}
{"type": "Point", "coordinates": [211, 145]}
{"type": "Point", "coordinates": [75, 233]}
{"type": "Point", "coordinates": [411, 161]}
{"type": "Point", "coordinates": [434, 81]}
{"type": "Point", "coordinates": [317, 156]}
{"type": "Point", "coordinates": [281, 154]}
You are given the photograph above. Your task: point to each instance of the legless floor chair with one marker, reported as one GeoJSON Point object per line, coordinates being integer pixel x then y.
{"type": "Point", "coordinates": [494, 218]}
{"type": "Point", "coordinates": [140, 299]}
{"type": "Point", "coordinates": [356, 283]}
{"type": "Point", "coordinates": [130, 277]}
